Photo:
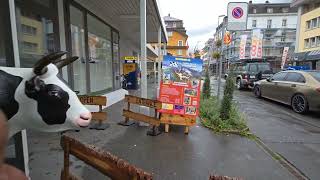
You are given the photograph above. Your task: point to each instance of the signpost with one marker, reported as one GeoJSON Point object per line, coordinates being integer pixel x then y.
{"type": "Point", "coordinates": [237, 16]}
{"type": "Point", "coordinates": [284, 57]}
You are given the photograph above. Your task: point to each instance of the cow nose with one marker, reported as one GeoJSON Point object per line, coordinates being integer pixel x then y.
{"type": "Point", "coordinates": [86, 116]}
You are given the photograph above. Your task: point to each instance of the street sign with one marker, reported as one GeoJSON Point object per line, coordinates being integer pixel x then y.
{"type": "Point", "coordinates": [227, 38]}
{"type": "Point", "coordinates": [284, 57]}
{"type": "Point", "coordinates": [130, 58]}
{"type": "Point", "coordinates": [237, 16]}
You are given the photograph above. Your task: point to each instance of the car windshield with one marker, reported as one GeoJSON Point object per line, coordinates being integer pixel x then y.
{"type": "Point", "coordinates": [264, 67]}
{"type": "Point", "coordinates": [316, 75]}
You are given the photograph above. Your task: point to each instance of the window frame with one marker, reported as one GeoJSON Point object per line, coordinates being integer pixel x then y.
{"type": "Point", "coordinates": [254, 23]}
{"type": "Point", "coordinates": [180, 41]}
{"type": "Point", "coordinates": [295, 81]}
{"type": "Point", "coordinates": [285, 75]}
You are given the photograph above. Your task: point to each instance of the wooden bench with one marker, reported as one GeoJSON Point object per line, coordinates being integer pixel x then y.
{"type": "Point", "coordinates": [96, 116]}
{"type": "Point", "coordinates": [105, 162]}
{"type": "Point", "coordinates": [154, 121]}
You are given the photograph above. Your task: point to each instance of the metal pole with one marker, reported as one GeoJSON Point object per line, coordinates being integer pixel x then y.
{"type": "Point", "coordinates": [220, 66]}
{"type": "Point", "coordinates": [159, 59]}
{"type": "Point", "coordinates": [143, 57]}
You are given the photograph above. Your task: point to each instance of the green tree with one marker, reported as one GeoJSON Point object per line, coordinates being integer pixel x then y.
{"type": "Point", "coordinates": [226, 103]}
{"type": "Point", "coordinates": [206, 92]}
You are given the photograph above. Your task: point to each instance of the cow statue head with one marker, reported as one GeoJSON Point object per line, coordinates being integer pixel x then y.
{"type": "Point", "coordinates": [47, 103]}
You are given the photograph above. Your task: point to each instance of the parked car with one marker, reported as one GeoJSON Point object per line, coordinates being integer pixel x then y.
{"type": "Point", "coordinates": [247, 73]}
{"type": "Point", "coordinates": [299, 89]}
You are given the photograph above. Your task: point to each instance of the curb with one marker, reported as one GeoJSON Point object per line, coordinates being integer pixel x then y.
{"type": "Point", "coordinates": [283, 161]}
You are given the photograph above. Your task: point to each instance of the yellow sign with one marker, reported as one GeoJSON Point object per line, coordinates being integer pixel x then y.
{"type": "Point", "coordinates": [130, 58]}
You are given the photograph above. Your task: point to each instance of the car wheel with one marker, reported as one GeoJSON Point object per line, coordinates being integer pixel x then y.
{"type": "Point", "coordinates": [299, 104]}
{"type": "Point", "coordinates": [257, 91]}
{"type": "Point", "coordinates": [239, 84]}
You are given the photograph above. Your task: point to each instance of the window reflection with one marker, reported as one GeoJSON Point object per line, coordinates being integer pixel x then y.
{"type": "Point", "coordinates": [35, 36]}
{"type": "Point", "coordinates": [100, 55]}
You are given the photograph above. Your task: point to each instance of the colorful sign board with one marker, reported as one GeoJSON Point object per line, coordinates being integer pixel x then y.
{"type": "Point", "coordinates": [227, 38]}
{"type": "Point", "coordinates": [130, 58]}
{"type": "Point", "coordinates": [256, 44]}
{"type": "Point", "coordinates": [284, 56]}
{"type": "Point", "coordinates": [237, 16]}
{"type": "Point", "coordinates": [242, 51]}
{"type": "Point", "coordinates": [180, 85]}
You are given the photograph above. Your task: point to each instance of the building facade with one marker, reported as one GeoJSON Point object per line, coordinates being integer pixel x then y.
{"type": "Point", "coordinates": [308, 35]}
{"type": "Point", "coordinates": [277, 23]}
{"type": "Point", "coordinates": [177, 37]}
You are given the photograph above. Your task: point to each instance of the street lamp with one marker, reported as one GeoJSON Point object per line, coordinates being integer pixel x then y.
{"type": "Point", "coordinates": [220, 63]}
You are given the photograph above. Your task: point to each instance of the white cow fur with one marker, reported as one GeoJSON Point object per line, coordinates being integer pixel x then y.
{"type": "Point", "coordinates": [28, 117]}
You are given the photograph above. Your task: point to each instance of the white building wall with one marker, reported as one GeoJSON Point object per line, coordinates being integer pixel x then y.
{"type": "Point", "coordinates": [262, 20]}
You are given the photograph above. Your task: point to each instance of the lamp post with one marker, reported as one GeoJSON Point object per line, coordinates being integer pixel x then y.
{"type": "Point", "coordinates": [220, 63]}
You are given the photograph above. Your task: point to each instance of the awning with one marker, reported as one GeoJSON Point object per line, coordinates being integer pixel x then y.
{"type": "Point", "coordinates": [307, 56]}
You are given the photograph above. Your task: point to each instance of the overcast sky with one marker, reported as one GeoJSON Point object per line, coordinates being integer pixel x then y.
{"type": "Point", "coordinates": [200, 17]}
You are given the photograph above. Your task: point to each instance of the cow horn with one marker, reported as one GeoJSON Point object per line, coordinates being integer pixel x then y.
{"type": "Point", "coordinates": [61, 63]}
{"type": "Point", "coordinates": [41, 66]}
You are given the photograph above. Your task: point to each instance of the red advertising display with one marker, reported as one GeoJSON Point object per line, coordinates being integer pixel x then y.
{"type": "Point", "coordinates": [180, 87]}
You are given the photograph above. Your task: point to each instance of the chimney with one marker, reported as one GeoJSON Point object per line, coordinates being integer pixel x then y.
{"type": "Point", "coordinates": [169, 14]}
{"type": "Point", "coordinates": [250, 2]}
{"type": "Point", "coordinates": [267, 2]}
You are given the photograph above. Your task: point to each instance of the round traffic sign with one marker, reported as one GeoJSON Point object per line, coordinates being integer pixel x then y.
{"type": "Point", "coordinates": [237, 12]}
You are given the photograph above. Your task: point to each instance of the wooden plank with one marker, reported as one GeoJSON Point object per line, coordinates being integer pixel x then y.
{"type": "Point", "coordinates": [141, 117]}
{"type": "Point", "coordinates": [93, 100]}
{"type": "Point", "coordinates": [99, 116]}
{"type": "Point", "coordinates": [177, 120]}
{"type": "Point", "coordinates": [105, 162]}
{"type": "Point", "coordinates": [144, 102]}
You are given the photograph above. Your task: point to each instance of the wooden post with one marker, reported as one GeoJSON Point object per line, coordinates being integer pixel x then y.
{"type": "Point", "coordinates": [166, 128]}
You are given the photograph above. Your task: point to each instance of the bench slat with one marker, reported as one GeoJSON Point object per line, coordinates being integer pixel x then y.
{"type": "Point", "coordinates": [143, 102]}
{"type": "Point", "coordinates": [141, 117]}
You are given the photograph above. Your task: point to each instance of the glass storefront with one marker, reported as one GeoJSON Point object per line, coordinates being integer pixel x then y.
{"type": "Point", "coordinates": [100, 55]}
{"type": "Point", "coordinates": [36, 30]}
{"type": "Point", "coordinates": [97, 45]}
{"type": "Point", "coordinates": [78, 49]}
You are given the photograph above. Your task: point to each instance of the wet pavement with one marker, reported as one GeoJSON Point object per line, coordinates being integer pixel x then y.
{"type": "Point", "coordinates": [168, 156]}
{"type": "Point", "coordinates": [295, 137]}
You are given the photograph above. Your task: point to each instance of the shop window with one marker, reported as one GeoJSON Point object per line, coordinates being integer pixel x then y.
{"type": "Point", "coordinates": [284, 22]}
{"type": "Point", "coordinates": [306, 43]}
{"type": "Point", "coordinates": [179, 52]}
{"type": "Point", "coordinates": [100, 55]}
{"type": "Point", "coordinates": [313, 42]}
{"type": "Point", "coordinates": [40, 26]}
{"type": "Point", "coordinates": [254, 23]}
{"type": "Point", "coordinates": [269, 23]}
{"type": "Point", "coordinates": [78, 49]}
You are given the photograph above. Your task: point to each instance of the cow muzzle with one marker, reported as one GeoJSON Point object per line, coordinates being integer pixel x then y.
{"type": "Point", "coordinates": [84, 120]}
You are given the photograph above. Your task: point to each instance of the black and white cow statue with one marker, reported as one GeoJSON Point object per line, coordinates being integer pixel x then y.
{"type": "Point", "coordinates": [35, 98]}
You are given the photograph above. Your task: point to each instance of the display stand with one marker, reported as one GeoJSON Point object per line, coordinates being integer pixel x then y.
{"type": "Point", "coordinates": [181, 120]}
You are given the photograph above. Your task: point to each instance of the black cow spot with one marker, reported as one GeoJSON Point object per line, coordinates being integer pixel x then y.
{"type": "Point", "coordinates": [8, 86]}
{"type": "Point", "coordinates": [52, 103]}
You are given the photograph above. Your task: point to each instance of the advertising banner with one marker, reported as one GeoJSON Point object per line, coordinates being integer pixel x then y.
{"type": "Point", "coordinates": [180, 85]}
{"type": "Point", "coordinates": [237, 16]}
{"type": "Point", "coordinates": [242, 51]}
{"type": "Point", "coordinates": [284, 56]}
{"type": "Point", "coordinates": [256, 44]}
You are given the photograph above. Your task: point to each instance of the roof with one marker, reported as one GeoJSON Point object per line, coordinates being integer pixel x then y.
{"type": "Point", "coordinates": [297, 3]}
{"type": "Point", "coordinates": [261, 8]}
{"type": "Point", "coordinates": [169, 18]}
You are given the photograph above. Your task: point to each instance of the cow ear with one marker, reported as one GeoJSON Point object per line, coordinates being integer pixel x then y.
{"type": "Point", "coordinates": [34, 86]}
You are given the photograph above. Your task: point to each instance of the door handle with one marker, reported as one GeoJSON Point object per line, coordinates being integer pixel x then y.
{"type": "Point", "coordinates": [293, 85]}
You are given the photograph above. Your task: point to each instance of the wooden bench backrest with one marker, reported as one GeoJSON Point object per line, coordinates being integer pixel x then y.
{"type": "Point", "coordinates": [105, 162]}
{"type": "Point", "coordinates": [95, 100]}
{"type": "Point", "coordinates": [142, 102]}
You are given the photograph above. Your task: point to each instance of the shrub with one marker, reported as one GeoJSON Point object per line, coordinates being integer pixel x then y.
{"type": "Point", "coordinates": [206, 86]}
{"type": "Point", "coordinates": [226, 103]}
{"type": "Point", "coordinates": [216, 55]}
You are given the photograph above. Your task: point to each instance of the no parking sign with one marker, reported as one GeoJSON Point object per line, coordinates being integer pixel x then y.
{"type": "Point", "coordinates": [237, 16]}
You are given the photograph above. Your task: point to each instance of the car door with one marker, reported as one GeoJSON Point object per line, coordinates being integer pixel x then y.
{"type": "Point", "coordinates": [270, 89]}
{"type": "Point", "coordinates": [292, 83]}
